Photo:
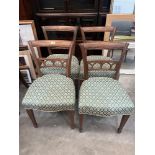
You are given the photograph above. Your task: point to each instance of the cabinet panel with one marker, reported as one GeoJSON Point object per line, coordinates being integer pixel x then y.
{"type": "Point", "coordinates": [67, 5]}
{"type": "Point", "coordinates": [104, 6]}
{"type": "Point", "coordinates": [51, 5]}
{"type": "Point", "coordinates": [83, 5]}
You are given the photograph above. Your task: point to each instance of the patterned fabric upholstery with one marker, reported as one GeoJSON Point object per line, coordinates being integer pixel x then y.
{"type": "Point", "coordinates": [102, 96]}
{"type": "Point", "coordinates": [59, 70]}
{"type": "Point", "coordinates": [96, 73]}
{"type": "Point", "coordinates": [51, 93]}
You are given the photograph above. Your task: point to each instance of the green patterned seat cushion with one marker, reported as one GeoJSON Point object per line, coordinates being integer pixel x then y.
{"type": "Point", "coordinates": [52, 92]}
{"type": "Point", "coordinates": [102, 96]}
{"type": "Point", "coordinates": [59, 70]}
{"type": "Point", "coordinates": [96, 73]}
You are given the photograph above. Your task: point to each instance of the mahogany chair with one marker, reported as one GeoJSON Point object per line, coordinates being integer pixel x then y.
{"type": "Point", "coordinates": [62, 30]}
{"type": "Point", "coordinates": [103, 96]}
{"type": "Point", "coordinates": [96, 29]}
{"type": "Point", "coordinates": [51, 92]}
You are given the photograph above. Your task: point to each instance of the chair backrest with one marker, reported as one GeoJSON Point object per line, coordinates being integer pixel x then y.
{"type": "Point", "coordinates": [97, 29]}
{"type": "Point", "coordinates": [111, 65]}
{"type": "Point", "coordinates": [62, 29]}
{"type": "Point", "coordinates": [72, 29]}
{"type": "Point", "coordinates": [59, 44]}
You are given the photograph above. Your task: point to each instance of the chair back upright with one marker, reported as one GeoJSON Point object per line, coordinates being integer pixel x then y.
{"type": "Point", "coordinates": [56, 62]}
{"type": "Point", "coordinates": [105, 65]}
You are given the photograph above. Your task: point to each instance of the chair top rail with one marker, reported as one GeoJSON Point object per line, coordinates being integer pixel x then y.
{"type": "Point", "coordinates": [98, 29]}
{"type": "Point", "coordinates": [104, 45]}
{"type": "Point", "coordinates": [51, 43]}
{"type": "Point", "coordinates": [60, 28]}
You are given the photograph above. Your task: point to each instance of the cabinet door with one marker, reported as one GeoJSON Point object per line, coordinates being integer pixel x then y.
{"type": "Point", "coordinates": [52, 5]}
{"type": "Point", "coordinates": [82, 5]}
{"type": "Point", "coordinates": [104, 5]}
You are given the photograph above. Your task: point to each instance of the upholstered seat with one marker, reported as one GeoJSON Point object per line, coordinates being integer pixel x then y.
{"type": "Point", "coordinates": [51, 93]}
{"type": "Point", "coordinates": [96, 73]}
{"type": "Point", "coordinates": [102, 96]}
{"type": "Point", "coordinates": [59, 70]}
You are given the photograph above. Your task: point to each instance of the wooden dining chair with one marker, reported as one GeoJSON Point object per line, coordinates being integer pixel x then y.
{"type": "Point", "coordinates": [103, 96]}
{"type": "Point", "coordinates": [74, 62]}
{"type": "Point", "coordinates": [51, 92]}
{"type": "Point", "coordinates": [96, 29]}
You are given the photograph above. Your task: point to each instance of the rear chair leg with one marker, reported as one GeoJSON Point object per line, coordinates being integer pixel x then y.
{"type": "Point", "coordinates": [123, 121]}
{"type": "Point", "coordinates": [32, 117]}
{"type": "Point", "coordinates": [71, 118]}
{"type": "Point", "coordinates": [81, 122]}
{"type": "Point", "coordinates": [112, 53]}
{"type": "Point", "coordinates": [125, 55]}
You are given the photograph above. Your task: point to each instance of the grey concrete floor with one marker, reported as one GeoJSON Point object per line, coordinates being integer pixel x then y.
{"type": "Point", "coordinates": [54, 136]}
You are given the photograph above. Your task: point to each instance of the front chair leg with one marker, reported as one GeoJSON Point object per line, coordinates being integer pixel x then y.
{"type": "Point", "coordinates": [71, 118]}
{"type": "Point", "coordinates": [123, 121]}
{"type": "Point", "coordinates": [81, 122]}
{"type": "Point", "coordinates": [32, 117]}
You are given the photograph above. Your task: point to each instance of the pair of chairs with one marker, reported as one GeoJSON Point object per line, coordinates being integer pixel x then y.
{"type": "Point", "coordinates": [76, 69]}
{"type": "Point", "coordinates": [54, 92]}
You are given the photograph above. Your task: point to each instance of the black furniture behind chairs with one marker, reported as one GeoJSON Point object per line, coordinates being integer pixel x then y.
{"type": "Point", "coordinates": [71, 12]}
{"type": "Point", "coordinates": [67, 5]}
{"type": "Point", "coordinates": [65, 12]}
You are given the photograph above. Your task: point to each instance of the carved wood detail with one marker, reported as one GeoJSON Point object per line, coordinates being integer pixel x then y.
{"type": "Point", "coordinates": [55, 62]}
{"type": "Point", "coordinates": [104, 65]}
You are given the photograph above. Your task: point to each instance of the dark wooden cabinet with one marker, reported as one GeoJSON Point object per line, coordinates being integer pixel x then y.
{"type": "Point", "coordinates": [67, 5]}
{"type": "Point", "coordinates": [65, 12]}
{"type": "Point", "coordinates": [72, 19]}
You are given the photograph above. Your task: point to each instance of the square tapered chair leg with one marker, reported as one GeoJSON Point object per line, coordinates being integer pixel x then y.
{"type": "Point", "coordinates": [71, 119]}
{"type": "Point", "coordinates": [123, 122]}
{"type": "Point", "coordinates": [81, 122]}
{"type": "Point", "coordinates": [32, 117]}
